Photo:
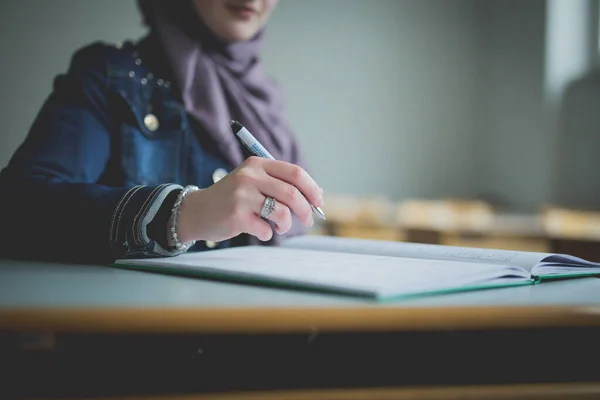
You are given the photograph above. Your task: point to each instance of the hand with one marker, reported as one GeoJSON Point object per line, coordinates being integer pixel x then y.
{"type": "Point", "coordinates": [232, 206]}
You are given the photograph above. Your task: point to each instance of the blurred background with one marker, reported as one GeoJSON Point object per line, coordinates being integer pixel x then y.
{"type": "Point", "coordinates": [464, 122]}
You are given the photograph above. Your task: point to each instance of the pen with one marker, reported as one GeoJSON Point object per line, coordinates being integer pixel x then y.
{"type": "Point", "coordinates": [258, 150]}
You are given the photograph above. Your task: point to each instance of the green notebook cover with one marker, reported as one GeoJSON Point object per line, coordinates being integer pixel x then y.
{"type": "Point", "coordinates": [565, 276]}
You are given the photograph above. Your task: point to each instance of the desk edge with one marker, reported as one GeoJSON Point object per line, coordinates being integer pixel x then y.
{"type": "Point", "coordinates": [294, 320]}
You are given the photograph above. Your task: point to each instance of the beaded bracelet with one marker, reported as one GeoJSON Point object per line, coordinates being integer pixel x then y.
{"type": "Point", "coordinates": [173, 219]}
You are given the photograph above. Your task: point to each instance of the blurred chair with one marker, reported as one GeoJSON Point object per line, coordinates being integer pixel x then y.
{"type": "Point", "coordinates": [468, 223]}
{"type": "Point", "coordinates": [367, 217]}
{"type": "Point", "coordinates": [428, 221]}
{"type": "Point", "coordinates": [572, 231]}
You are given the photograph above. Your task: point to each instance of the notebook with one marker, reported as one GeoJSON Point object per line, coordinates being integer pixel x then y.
{"type": "Point", "coordinates": [374, 269]}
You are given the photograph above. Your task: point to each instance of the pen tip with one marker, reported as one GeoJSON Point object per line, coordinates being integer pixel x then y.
{"type": "Point", "coordinates": [235, 126]}
{"type": "Point", "coordinates": [319, 212]}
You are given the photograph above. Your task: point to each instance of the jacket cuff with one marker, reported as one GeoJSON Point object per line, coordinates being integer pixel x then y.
{"type": "Point", "coordinates": [128, 233]}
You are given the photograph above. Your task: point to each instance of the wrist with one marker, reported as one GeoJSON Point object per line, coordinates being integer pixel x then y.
{"type": "Point", "coordinates": [178, 236]}
{"type": "Point", "coordinates": [184, 230]}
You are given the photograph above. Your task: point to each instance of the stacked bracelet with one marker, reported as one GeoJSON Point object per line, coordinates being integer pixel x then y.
{"type": "Point", "coordinates": [175, 216]}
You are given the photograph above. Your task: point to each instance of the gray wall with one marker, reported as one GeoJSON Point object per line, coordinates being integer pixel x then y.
{"type": "Point", "coordinates": [512, 147]}
{"type": "Point", "coordinates": [380, 92]}
{"type": "Point", "coordinates": [37, 39]}
{"type": "Point", "coordinates": [402, 98]}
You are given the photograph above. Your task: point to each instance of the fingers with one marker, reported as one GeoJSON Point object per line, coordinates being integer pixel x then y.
{"type": "Point", "coordinates": [297, 177]}
{"type": "Point", "coordinates": [247, 214]}
{"type": "Point", "coordinates": [289, 198]}
{"type": "Point", "coordinates": [289, 184]}
{"type": "Point", "coordinates": [281, 216]}
{"type": "Point", "coordinates": [256, 226]}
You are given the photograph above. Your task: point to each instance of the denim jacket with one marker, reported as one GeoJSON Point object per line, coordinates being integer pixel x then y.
{"type": "Point", "coordinates": [109, 147]}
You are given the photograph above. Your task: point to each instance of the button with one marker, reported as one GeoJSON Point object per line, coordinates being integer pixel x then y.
{"type": "Point", "coordinates": [151, 122]}
{"type": "Point", "coordinates": [210, 244]}
{"type": "Point", "coordinates": [219, 174]}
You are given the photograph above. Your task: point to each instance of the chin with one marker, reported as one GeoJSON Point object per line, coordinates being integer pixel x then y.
{"type": "Point", "coordinates": [239, 33]}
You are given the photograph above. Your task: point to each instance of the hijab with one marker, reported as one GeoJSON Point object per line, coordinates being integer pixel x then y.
{"type": "Point", "coordinates": [221, 81]}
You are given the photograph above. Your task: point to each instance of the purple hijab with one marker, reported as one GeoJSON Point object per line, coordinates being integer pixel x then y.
{"type": "Point", "coordinates": [222, 81]}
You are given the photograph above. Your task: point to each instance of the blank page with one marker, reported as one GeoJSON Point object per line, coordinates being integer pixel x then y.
{"type": "Point", "coordinates": [376, 276]}
{"type": "Point", "coordinates": [521, 259]}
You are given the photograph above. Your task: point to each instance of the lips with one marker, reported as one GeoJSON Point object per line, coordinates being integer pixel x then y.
{"type": "Point", "coordinates": [241, 10]}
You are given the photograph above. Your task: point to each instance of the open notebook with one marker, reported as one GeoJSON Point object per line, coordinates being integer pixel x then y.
{"type": "Point", "coordinates": [370, 268]}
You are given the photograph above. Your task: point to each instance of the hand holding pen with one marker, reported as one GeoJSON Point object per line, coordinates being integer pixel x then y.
{"type": "Point", "coordinates": [259, 189]}
{"type": "Point", "coordinates": [254, 147]}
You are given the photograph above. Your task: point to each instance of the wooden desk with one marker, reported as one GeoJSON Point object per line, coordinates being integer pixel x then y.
{"type": "Point", "coordinates": [81, 330]}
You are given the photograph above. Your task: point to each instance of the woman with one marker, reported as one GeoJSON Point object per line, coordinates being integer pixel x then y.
{"type": "Point", "coordinates": [112, 165]}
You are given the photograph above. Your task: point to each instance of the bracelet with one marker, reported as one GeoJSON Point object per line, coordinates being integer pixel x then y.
{"type": "Point", "coordinates": [173, 219]}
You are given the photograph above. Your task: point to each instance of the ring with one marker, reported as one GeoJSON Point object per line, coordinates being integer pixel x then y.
{"type": "Point", "coordinates": [268, 207]}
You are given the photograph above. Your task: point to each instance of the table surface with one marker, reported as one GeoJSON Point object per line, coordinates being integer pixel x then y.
{"type": "Point", "coordinates": [74, 296]}
{"type": "Point", "coordinates": [55, 297]}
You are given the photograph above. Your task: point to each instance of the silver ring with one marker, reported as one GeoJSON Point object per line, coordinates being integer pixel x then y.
{"type": "Point", "coordinates": [269, 205]}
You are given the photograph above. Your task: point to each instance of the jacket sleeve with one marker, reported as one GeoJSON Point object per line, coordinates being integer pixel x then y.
{"type": "Point", "coordinates": [51, 205]}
